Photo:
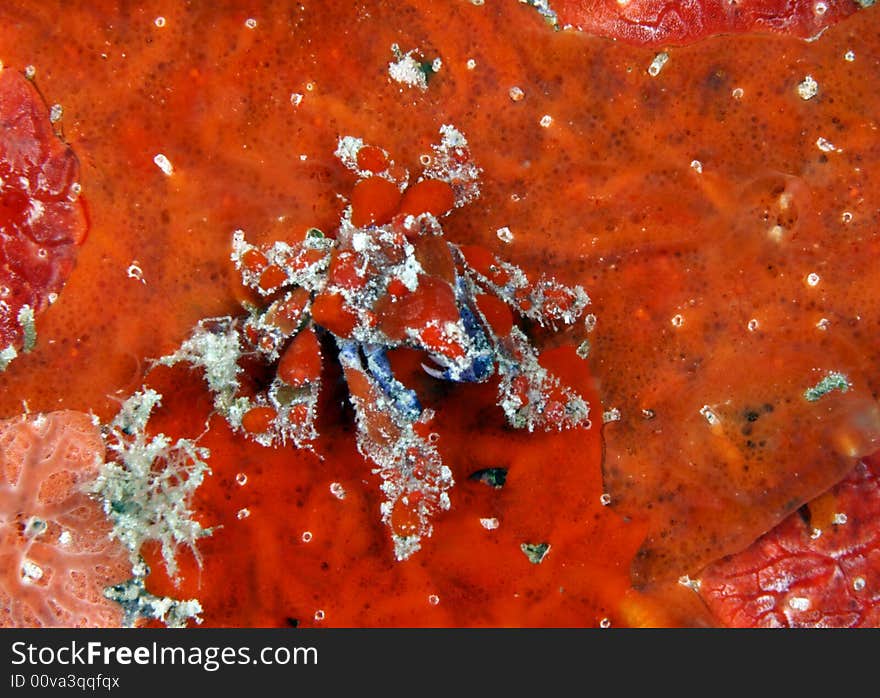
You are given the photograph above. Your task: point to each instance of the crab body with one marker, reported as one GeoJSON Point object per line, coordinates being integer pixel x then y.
{"type": "Point", "coordinates": [387, 279]}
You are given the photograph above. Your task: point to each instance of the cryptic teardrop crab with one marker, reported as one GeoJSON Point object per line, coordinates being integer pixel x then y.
{"type": "Point", "coordinates": [387, 279]}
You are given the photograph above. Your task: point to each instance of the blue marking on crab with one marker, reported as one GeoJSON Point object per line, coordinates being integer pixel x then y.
{"type": "Point", "coordinates": [379, 368]}
{"type": "Point", "coordinates": [480, 359]}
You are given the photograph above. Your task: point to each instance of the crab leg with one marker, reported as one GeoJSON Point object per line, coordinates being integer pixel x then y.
{"type": "Point", "coordinates": [414, 480]}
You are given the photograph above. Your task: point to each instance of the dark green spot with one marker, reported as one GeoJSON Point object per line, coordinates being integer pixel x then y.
{"type": "Point", "coordinates": [535, 551]}
{"type": "Point", "coordinates": [494, 477]}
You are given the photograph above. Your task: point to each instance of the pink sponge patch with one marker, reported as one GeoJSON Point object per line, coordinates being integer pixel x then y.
{"type": "Point", "coordinates": [801, 576]}
{"type": "Point", "coordinates": [669, 22]}
{"type": "Point", "coordinates": [56, 555]}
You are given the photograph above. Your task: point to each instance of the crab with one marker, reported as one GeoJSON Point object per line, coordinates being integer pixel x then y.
{"type": "Point", "coordinates": [388, 278]}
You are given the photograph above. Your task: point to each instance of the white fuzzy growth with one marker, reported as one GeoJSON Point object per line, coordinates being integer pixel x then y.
{"type": "Point", "coordinates": [583, 349]}
{"type": "Point", "coordinates": [347, 149]}
{"type": "Point", "coordinates": [451, 137]}
{"type": "Point", "coordinates": [7, 356]}
{"type": "Point", "coordinates": [362, 242]}
{"type": "Point", "coordinates": [213, 346]}
{"type": "Point", "coordinates": [406, 70]}
{"type": "Point", "coordinates": [285, 428]}
{"type": "Point", "coordinates": [612, 415]}
{"type": "Point", "coordinates": [409, 270]}
{"type": "Point", "coordinates": [543, 8]}
{"type": "Point", "coordinates": [406, 546]}
{"type": "Point", "coordinates": [451, 163]}
{"type": "Point", "coordinates": [146, 486]}
{"type": "Point", "coordinates": [543, 296]}
{"type": "Point", "coordinates": [137, 603]}
{"type": "Point", "coordinates": [289, 258]}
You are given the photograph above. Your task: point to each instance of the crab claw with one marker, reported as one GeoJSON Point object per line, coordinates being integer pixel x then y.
{"type": "Point", "coordinates": [478, 369]}
{"type": "Point", "coordinates": [435, 372]}
{"type": "Point", "coordinates": [477, 361]}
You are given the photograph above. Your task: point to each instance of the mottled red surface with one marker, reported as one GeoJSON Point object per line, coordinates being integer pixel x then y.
{"type": "Point", "coordinates": [678, 22]}
{"type": "Point", "coordinates": [604, 194]}
{"type": "Point", "coordinates": [807, 573]}
{"type": "Point", "coordinates": [274, 576]}
{"type": "Point", "coordinates": [704, 298]}
{"type": "Point", "coordinates": [41, 220]}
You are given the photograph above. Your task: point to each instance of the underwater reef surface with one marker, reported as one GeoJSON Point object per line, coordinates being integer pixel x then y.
{"type": "Point", "coordinates": [440, 314]}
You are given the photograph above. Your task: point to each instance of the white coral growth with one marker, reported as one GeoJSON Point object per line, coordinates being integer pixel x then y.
{"type": "Point", "coordinates": [147, 485]}
{"type": "Point", "coordinates": [138, 604]}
